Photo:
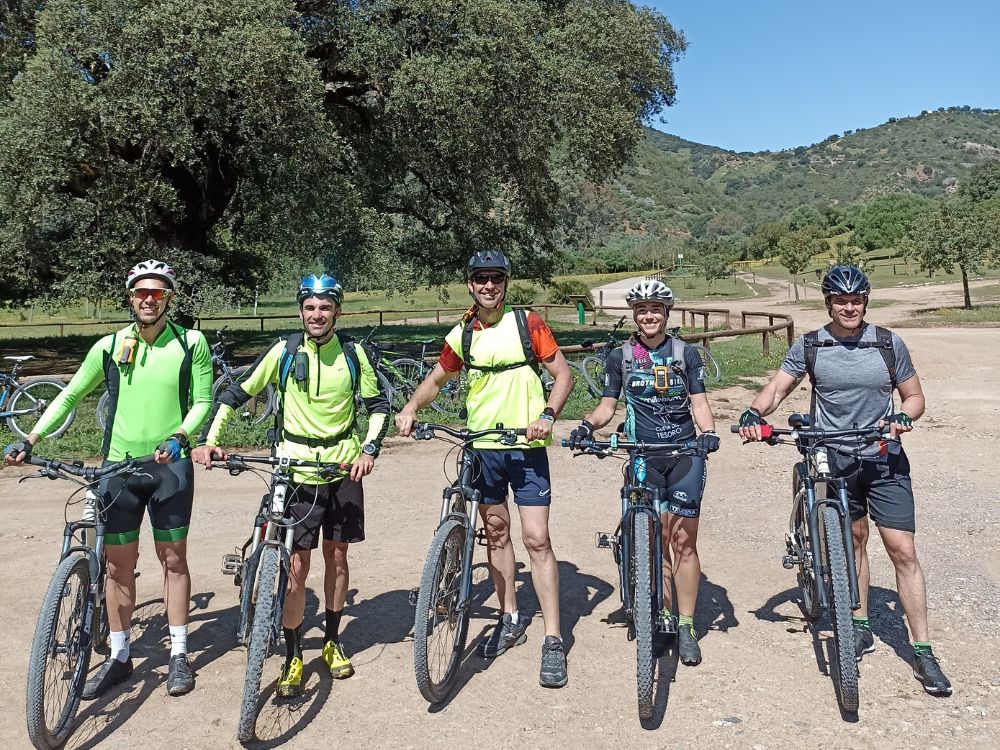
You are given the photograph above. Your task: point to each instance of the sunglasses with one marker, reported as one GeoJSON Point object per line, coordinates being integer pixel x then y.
{"type": "Point", "coordinates": [143, 292]}
{"type": "Point", "coordinates": [483, 278]}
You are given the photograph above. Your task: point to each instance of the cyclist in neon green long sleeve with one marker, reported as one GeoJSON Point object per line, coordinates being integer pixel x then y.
{"type": "Point", "coordinates": [318, 373]}
{"type": "Point", "coordinates": [159, 376]}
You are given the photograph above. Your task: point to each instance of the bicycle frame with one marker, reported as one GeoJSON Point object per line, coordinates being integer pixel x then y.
{"type": "Point", "coordinates": [461, 503]}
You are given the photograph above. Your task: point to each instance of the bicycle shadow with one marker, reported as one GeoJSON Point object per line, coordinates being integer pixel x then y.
{"type": "Point", "coordinates": [378, 622]}
{"type": "Point", "coordinates": [820, 633]}
{"type": "Point", "coordinates": [279, 720]}
{"type": "Point", "coordinates": [150, 646]}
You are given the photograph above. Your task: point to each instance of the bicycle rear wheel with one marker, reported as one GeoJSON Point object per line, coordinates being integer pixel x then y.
{"type": "Point", "coordinates": [845, 668]}
{"type": "Point", "coordinates": [103, 407]}
{"type": "Point", "coordinates": [405, 376]}
{"type": "Point", "coordinates": [264, 616]}
{"type": "Point", "coordinates": [440, 626]}
{"type": "Point", "coordinates": [258, 408]}
{"type": "Point", "coordinates": [58, 663]}
{"type": "Point", "coordinates": [593, 374]}
{"type": "Point", "coordinates": [800, 528]}
{"type": "Point", "coordinates": [451, 399]}
{"type": "Point", "coordinates": [29, 401]}
{"type": "Point", "coordinates": [642, 613]}
{"type": "Point", "coordinates": [712, 371]}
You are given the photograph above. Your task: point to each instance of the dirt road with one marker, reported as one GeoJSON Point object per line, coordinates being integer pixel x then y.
{"type": "Point", "coordinates": [762, 683]}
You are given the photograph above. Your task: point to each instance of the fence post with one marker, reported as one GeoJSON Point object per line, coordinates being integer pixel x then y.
{"type": "Point", "coordinates": [705, 327]}
{"type": "Point", "coordinates": [62, 329]}
{"type": "Point", "coordinates": [545, 309]}
{"type": "Point", "coordinates": [765, 344]}
{"type": "Point", "coordinates": [743, 319]}
{"type": "Point", "coordinates": [600, 303]}
{"type": "Point", "coordinates": [791, 333]}
{"type": "Point", "coordinates": [380, 318]}
{"type": "Point", "coordinates": [262, 324]}
{"type": "Point", "coordinates": [438, 312]}
{"type": "Point", "coordinates": [729, 325]}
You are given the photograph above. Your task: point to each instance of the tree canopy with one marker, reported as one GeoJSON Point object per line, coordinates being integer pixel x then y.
{"type": "Point", "coordinates": [239, 139]}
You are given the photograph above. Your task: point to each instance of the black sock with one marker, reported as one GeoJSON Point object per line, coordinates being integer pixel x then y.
{"type": "Point", "coordinates": [293, 643]}
{"type": "Point", "coordinates": [332, 626]}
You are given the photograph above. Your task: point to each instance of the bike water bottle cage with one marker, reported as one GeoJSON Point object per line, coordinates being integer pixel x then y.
{"type": "Point", "coordinates": [882, 342]}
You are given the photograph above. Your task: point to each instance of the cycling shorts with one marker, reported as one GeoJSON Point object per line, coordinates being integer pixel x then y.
{"type": "Point", "coordinates": [336, 508]}
{"type": "Point", "coordinates": [526, 472]}
{"type": "Point", "coordinates": [683, 479]}
{"type": "Point", "coordinates": [879, 486]}
{"type": "Point", "coordinates": [165, 491]}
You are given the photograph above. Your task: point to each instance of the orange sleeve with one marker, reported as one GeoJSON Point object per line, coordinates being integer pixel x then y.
{"type": "Point", "coordinates": [449, 360]}
{"type": "Point", "coordinates": [542, 340]}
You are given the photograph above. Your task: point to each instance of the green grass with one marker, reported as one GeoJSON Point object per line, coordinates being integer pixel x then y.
{"type": "Point", "coordinates": [817, 303]}
{"type": "Point", "coordinates": [982, 314]}
{"type": "Point", "coordinates": [740, 358]}
{"type": "Point", "coordinates": [880, 274]}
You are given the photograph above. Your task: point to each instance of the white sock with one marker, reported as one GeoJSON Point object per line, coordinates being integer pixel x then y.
{"type": "Point", "coordinates": [178, 639]}
{"type": "Point", "coordinates": [119, 645]}
{"type": "Point", "coordinates": [513, 617]}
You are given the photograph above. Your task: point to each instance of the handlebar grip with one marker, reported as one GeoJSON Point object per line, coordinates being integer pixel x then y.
{"type": "Point", "coordinates": [564, 443]}
{"type": "Point", "coordinates": [734, 428]}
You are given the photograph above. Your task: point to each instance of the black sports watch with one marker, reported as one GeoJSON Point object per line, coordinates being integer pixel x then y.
{"type": "Point", "coordinates": [370, 449]}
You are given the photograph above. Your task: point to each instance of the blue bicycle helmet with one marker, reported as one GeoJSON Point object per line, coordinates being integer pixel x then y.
{"type": "Point", "coordinates": [845, 280]}
{"type": "Point", "coordinates": [323, 286]}
{"type": "Point", "coordinates": [492, 260]}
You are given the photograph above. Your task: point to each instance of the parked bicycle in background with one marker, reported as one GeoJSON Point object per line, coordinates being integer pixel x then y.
{"type": "Point", "coordinates": [21, 404]}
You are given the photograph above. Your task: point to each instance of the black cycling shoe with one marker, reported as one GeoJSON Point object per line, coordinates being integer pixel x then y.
{"type": "Point", "coordinates": [928, 671]}
{"type": "Point", "coordinates": [180, 678]}
{"type": "Point", "coordinates": [690, 651]}
{"type": "Point", "coordinates": [111, 673]}
{"type": "Point", "coordinates": [864, 642]}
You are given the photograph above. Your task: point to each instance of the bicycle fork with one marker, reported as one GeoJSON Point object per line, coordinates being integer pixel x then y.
{"type": "Point", "coordinates": [468, 519]}
{"type": "Point", "coordinates": [840, 504]}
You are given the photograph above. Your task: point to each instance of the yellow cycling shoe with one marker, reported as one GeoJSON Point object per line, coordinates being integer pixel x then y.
{"type": "Point", "coordinates": [290, 682]}
{"type": "Point", "coordinates": [335, 658]}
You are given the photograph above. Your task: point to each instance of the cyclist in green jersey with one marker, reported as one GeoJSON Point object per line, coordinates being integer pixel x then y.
{"type": "Point", "coordinates": [501, 349]}
{"type": "Point", "coordinates": [316, 372]}
{"type": "Point", "coordinates": [159, 376]}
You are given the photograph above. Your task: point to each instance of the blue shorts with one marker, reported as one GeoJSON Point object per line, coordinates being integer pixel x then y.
{"type": "Point", "coordinates": [526, 472]}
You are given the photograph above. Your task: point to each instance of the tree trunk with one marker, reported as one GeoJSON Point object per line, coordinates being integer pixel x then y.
{"type": "Point", "coordinates": [796, 287]}
{"type": "Point", "coordinates": [965, 288]}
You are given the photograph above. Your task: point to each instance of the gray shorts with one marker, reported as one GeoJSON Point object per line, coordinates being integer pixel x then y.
{"type": "Point", "coordinates": [879, 486]}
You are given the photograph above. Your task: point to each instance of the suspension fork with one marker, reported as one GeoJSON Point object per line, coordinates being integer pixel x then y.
{"type": "Point", "coordinates": [848, 532]}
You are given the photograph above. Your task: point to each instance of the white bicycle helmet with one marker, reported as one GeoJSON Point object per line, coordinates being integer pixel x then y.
{"type": "Point", "coordinates": [151, 269]}
{"type": "Point", "coordinates": [650, 290]}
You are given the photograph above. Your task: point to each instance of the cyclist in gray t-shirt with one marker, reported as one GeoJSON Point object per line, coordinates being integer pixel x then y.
{"type": "Point", "coordinates": [854, 368]}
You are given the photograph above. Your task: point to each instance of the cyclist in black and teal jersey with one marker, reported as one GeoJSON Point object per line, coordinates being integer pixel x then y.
{"type": "Point", "coordinates": [159, 376]}
{"type": "Point", "coordinates": [317, 373]}
{"type": "Point", "coordinates": [664, 387]}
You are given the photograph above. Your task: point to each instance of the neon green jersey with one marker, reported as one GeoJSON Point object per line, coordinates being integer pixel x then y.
{"type": "Point", "coordinates": [512, 397]}
{"type": "Point", "coordinates": [318, 414]}
{"type": "Point", "coordinates": [166, 388]}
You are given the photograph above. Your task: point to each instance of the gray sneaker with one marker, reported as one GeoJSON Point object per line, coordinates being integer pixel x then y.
{"type": "Point", "coordinates": [553, 672]}
{"type": "Point", "coordinates": [864, 642]}
{"type": "Point", "coordinates": [690, 651]}
{"type": "Point", "coordinates": [505, 635]}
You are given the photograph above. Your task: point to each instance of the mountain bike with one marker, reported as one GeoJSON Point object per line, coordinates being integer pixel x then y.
{"type": "Point", "coordinates": [593, 366]}
{"type": "Point", "coordinates": [443, 603]}
{"type": "Point", "coordinates": [404, 374]}
{"type": "Point", "coordinates": [637, 548]}
{"type": "Point", "coordinates": [256, 410]}
{"type": "Point", "coordinates": [819, 540]}
{"type": "Point", "coordinates": [22, 404]}
{"type": "Point", "coordinates": [74, 602]}
{"type": "Point", "coordinates": [261, 569]}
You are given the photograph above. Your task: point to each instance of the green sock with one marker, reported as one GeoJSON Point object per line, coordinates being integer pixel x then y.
{"type": "Point", "coordinates": [666, 613]}
{"type": "Point", "coordinates": [861, 623]}
{"type": "Point", "coordinates": [686, 620]}
{"type": "Point", "coordinates": [921, 647]}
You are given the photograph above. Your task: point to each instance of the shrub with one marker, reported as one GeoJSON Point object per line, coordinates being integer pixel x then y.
{"type": "Point", "coordinates": [521, 294]}
{"type": "Point", "coordinates": [560, 290]}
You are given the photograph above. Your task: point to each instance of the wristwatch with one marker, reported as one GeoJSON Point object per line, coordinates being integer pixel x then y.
{"type": "Point", "coordinates": [548, 413]}
{"type": "Point", "coordinates": [370, 449]}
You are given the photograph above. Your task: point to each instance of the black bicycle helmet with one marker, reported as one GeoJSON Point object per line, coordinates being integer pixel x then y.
{"type": "Point", "coordinates": [488, 260]}
{"type": "Point", "coordinates": [845, 280]}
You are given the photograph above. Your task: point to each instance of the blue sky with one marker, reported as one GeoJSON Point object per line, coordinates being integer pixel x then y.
{"type": "Point", "coordinates": [773, 74]}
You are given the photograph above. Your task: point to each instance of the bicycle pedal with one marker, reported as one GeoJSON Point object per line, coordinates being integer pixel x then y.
{"type": "Point", "coordinates": [481, 538]}
{"type": "Point", "coordinates": [412, 596]}
{"type": "Point", "coordinates": [788, 562]}
{"type": "Point", "coordinates": [231, 564]}
{"type": "Point", "coordinates": [605, 540]}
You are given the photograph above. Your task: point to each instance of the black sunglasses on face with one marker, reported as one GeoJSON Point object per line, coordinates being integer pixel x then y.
{"type": "Point", "coordinates": [483, 278]}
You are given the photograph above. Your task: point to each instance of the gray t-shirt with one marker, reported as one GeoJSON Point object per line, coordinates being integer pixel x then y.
{"type": "Point", "coordinates": [852, 388]}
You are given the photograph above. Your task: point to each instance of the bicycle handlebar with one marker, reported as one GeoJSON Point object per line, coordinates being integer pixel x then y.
{"type": "Point", "coordinates": [236, 464]}
{"type": "Point", "coordinates": [426, 430]}
{"type": "Point", "coordinates": [609, 446]}
{"type": "Point", "coordinates": [52, 467]}
{"type": "Point", "coordinates": [770, 432]}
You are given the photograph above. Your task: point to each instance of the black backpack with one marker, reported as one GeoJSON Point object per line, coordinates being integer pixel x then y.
{"type": "Point", "coordinates": [883, 342]}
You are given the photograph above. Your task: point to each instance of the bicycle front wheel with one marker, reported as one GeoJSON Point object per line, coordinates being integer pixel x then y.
{"type": "Point", "coordinates": [258, 408]}
{"type": "Point", "coordinates": [593, 374]}
{"type": "Point", "coordinates": [845, 669]}
{"type": "Point", "coordinates": [103, 407]}
{"type": "Point", "coordinates": [440, 625]}
{"type": "Point", "coordinates": [29, 401]}
{"type": "Point", "coordinates": [405, 375]}
{"type": "Point", "coordinates": [642, 613]}
{"type": "Point", "coordinates": [58, 663]}
{"type": "Point", "coordinates": [264, 616]}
